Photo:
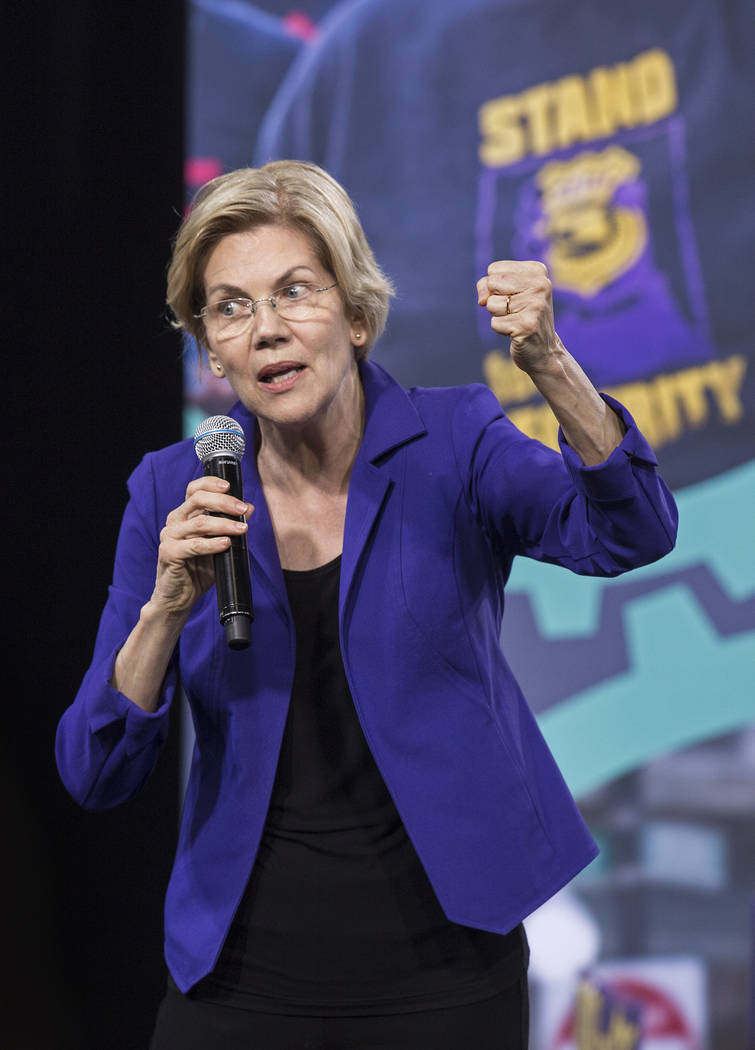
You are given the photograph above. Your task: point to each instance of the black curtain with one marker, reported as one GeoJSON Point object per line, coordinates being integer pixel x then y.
{"type": "Point", "coordinates": [92, 171]}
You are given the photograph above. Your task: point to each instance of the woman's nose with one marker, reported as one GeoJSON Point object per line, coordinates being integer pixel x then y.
{"type": "Point", "coordinates": [269, 326]}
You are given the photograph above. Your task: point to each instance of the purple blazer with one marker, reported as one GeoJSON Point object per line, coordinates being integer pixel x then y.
{"type": "Point", "coordinates": [444, 492]}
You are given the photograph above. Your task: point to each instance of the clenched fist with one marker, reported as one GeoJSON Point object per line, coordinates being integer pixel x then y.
{"type": "Point", "coordinates": [518, 297]}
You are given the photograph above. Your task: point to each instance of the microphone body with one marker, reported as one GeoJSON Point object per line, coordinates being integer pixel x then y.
{"type": "Point", "coordinates": [219, 443]}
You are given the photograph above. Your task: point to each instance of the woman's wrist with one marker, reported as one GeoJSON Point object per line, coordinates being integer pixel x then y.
{"type": "Point", "coordinates": [157, 614]}
{"type": "Point", "coordinates": [590, 426]}
{"type": "Point", "coordinates": [141, 664]}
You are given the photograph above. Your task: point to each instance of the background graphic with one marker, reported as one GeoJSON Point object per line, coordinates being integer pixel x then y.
{"type": "Point", "coordinates": [614, 143]}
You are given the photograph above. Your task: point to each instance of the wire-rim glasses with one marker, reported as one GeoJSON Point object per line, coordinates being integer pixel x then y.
{"type": "Point", "coordinates": [227, 318]}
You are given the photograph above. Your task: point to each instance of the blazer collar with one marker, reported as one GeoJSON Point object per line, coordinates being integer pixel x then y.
{"type": "Point", "coordinates": [390, 416]}
{"type": "Point", "coordinates": [391, 420]}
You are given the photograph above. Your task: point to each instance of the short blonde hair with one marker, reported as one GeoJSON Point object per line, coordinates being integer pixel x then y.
{"type": "Point", "coordinates": [286, 193]}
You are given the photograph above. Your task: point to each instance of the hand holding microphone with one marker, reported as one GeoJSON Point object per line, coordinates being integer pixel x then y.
{"type": "Point", "coordinates": [219, 443]}
{"type": "Point", "coordinates": [203, 540]}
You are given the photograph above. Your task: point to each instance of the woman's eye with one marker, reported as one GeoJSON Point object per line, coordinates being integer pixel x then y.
{"type": "Point", "coordinates": [294, 291]}
{"type": "Point", "coordinates": [229, 309]}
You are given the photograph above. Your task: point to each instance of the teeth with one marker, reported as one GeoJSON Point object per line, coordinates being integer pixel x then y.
{"type": "Point", "coordinates": [282, 376]}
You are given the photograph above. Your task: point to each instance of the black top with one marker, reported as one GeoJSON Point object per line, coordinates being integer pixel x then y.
{"type": "Point", "coordinates": [338, 916]}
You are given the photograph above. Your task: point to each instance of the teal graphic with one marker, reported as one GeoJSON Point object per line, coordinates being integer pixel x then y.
{"type": "Point", "coordinates": [685, 682]}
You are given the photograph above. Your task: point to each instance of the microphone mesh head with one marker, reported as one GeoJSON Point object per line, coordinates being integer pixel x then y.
{"type": "Point", "coordinates": [218, 434]}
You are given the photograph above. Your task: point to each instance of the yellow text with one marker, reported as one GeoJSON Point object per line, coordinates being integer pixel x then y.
{"type": "Point", "coordinates": [556, 114]}
{"type": "Point", "coordinates": [664, 407]}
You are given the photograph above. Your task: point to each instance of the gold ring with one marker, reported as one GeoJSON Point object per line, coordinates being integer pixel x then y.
{"type": "Point", "coordinates": [508, 305]}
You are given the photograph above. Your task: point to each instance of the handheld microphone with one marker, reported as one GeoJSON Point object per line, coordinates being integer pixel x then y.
{"type": "Point", "coordinates": [219, 444]}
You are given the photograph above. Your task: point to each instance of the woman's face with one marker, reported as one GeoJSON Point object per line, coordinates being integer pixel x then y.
{"type": "Point", "coordinates": [286, 372]}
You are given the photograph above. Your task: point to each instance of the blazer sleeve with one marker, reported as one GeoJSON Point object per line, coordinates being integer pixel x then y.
{"type": "Point", "coordinates": [106, 746]}
{"type": "Point", "coordinates": [599, 520]}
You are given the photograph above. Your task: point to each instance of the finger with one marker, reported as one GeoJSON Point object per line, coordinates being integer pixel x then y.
{"type": "Point", "coordinates": [532, 268]}
{"type": "Point", "coordinates": [202, 526]}
{"type": "Point", "coordinates": [500, 290]}
{"type": "Point", "coordinates": [512, 327]}
{"type": "Point", "coordinates": [174, 551]}
{"type": "Point", "coordinates": [506, 305]}
{"type": "Point", "coordinates": [213, 485]}
{"type": "Point", "coordinates": [501, 266]}
{"type": "Point", "coordinates": [507, 326]}
{"type": "Point", "coordinates": [210, 501]}
{"type": "Point", "coordinates": [208, 482]}
{"type": "Point", "coordinates": [509, 275]}
{"type": "Point", "coordinates": [521, 326]}
{"type": "Point", "coordinates": [495, 285]}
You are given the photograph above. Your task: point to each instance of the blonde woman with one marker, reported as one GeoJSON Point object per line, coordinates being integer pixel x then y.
{"type": "Point", "coordinates": [371, 810]}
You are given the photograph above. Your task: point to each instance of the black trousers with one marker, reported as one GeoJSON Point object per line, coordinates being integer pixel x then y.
{"type": "Point", "coordinates": [500, 1023]}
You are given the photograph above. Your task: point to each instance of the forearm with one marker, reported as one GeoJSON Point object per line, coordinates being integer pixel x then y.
{"type": "Point", "coordinates": [143, 660]}
{"type": "Point", "coordinates": [591, 428]}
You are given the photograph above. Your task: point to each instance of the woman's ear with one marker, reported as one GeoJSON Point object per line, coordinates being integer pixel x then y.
{"type": "Point", "coordinates": [217, 369]}
{"type": "Point", "coordinates": [357, 333]}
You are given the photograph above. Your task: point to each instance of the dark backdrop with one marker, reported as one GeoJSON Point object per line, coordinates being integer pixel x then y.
{"type": "Point", "coordinates": [93, 97]}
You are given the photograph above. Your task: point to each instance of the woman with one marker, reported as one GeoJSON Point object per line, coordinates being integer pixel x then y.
{"type": "Point", "coordinates": [371, 810]}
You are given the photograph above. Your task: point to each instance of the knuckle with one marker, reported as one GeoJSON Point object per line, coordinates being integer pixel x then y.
{"type": "Point", "coordinates": [167, 533]}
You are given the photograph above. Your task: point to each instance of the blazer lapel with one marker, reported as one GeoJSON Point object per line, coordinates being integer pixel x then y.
{"type": "Point", "coordinates": [260, 538]}
{"type": "Point", "coordinates": [391, 420]}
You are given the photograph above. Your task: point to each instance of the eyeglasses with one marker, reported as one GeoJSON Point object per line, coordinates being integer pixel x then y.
{"type": "Point", "coordinates": [228, 318]}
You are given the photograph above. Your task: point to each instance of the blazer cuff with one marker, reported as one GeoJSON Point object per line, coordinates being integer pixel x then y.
{"type": "Point", "coordinates": [613, 479]}
{"type": "Point", "coordinates": [106, 705]}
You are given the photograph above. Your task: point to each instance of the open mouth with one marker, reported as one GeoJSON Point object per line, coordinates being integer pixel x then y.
{"type": "Point", "coordinates": [280, 374]}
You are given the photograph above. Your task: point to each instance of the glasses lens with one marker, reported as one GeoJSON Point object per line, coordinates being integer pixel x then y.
{"type": "Point", "coordinates": [294, 300]}
{"type": "Point", "coordinates": [228, 317]}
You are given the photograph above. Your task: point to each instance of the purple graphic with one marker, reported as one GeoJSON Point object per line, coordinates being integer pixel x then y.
{"type": "Point", "coordinates": [627, 310]}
